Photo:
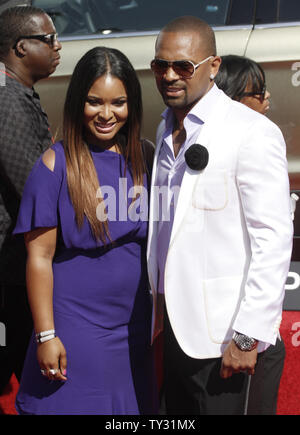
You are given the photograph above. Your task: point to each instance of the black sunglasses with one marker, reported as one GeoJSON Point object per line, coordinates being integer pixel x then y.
{"type": "Point", "coordinates": [184, 68]}
{"type": "Point", "coordinates": [49, 39]}
{"type": "Point", "coordinates": [261, 94]}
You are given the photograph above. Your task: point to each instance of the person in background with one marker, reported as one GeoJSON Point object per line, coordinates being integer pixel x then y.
{"type": "Point", "coordinates": [29, 51]}
{"type": "Point", "coordinates": [243, 79]}
{"type": "Point", "coordinates": [87, 282]}
{"type": "Point", "coordinates": [219, 250]}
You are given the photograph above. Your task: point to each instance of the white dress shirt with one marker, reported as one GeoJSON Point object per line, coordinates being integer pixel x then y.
{"type": "Point", "coordinates": [170, 170]}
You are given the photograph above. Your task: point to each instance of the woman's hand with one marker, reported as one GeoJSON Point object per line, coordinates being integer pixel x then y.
{"type": "Point", "coordinates": [52, 359]}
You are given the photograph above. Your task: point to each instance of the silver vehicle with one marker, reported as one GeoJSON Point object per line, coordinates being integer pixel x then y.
{"type": "Point", "coordinates": [267, 31]}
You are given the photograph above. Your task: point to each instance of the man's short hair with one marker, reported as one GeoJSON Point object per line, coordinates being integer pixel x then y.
{"type": "Point", "coordinates": [15, 22]}
{"type": "Point", "coordinates": [194, 24]}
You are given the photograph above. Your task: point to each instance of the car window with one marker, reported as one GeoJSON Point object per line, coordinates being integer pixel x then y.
{"type": "Point", "coordinates": [266, 11]}
{"type": "Point", "coordinates": [241, 12]}
{"type": "Point", "coordinates": [277, 11]}
{"type": "Point", "coordinates": [82, 17]}
{"type": "Point", "coordinates": [289, 10]}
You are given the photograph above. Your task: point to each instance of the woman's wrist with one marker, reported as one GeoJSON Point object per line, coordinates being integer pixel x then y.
{"type": "Point", "coordinates": [43, 336]}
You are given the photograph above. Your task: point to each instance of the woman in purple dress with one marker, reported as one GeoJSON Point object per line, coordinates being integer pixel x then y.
{"type": "Point", "coordinates": [84, 216]}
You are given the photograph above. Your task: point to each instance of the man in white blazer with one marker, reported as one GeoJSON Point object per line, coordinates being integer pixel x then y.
{"type": "Point", "coordinates": [220, 229]}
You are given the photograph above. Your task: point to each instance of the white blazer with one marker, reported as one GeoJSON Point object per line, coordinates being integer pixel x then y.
{"type": "Point", "coordinates": [231, 240]}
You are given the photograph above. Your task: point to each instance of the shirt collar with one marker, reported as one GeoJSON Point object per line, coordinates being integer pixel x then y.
{"type": "Point", "coordinates": [200, 110]}
{"type": "Point", "coordinates": [19, 87]}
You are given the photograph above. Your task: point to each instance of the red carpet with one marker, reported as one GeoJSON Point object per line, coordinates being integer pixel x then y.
{"type": "Point", "coordinates": [7, 398]}
{"type": "Point", "coordinates": [289, 392]}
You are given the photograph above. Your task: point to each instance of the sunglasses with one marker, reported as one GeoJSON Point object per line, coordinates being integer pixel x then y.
{"type": "Point", "coordinates": [49, 39]}
{"type": "Point", "coordinates": [261, 95]}
{"type": "Point", "coordinates": [184, 68]}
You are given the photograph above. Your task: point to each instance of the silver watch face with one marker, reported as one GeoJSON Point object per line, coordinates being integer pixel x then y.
{"type": "Point", "coordinates": [244, 342]}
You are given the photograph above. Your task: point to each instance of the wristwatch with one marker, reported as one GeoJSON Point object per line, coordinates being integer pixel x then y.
{"type": "Point", "coordinates": [244, 342]}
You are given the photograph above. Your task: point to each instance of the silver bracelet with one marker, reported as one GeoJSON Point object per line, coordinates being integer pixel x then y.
{"type": "Point", "coordinates": [47, 338]}
{"type": "Point", "coordinates": [43, 336]}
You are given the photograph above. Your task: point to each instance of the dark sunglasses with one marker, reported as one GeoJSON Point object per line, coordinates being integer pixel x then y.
{"type": "Point", "coordinates": [49, 39]}
{"type": "Point", "coordinates": [184, 68]}
{"type": "Point", "coordinates": [260, 94]}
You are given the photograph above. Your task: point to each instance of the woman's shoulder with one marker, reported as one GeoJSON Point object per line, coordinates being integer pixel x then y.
{"type": "Point", "coordinates": [49, 159]}
{"type": "Point", "coordinates": [54, 156]}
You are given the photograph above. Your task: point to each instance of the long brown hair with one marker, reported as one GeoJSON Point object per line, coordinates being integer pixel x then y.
{"type": "Point", "coordinates": [82, 177]}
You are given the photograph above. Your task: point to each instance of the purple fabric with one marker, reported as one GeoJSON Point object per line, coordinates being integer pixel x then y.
{"type": "Point", "coordinates": [101, 302]}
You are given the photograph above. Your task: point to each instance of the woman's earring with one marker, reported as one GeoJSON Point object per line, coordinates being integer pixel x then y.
{"type": "Point", "coordinates": [212, 77]}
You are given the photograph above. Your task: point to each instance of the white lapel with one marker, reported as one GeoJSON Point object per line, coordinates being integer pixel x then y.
{"type": "Point", "coordinates": [190, 176]}
{"type": "Point", "coordinates": [205, 138]}
{"type": "Point", "coordinates": [153, 203]}
{"type": "Point", "coordinates": [187, 186]}
{"type": "Point", "coordinates": [153, 221]}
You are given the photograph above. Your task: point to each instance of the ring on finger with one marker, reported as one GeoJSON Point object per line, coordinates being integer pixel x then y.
{"type": "Point", "coordinates": [53, 371]}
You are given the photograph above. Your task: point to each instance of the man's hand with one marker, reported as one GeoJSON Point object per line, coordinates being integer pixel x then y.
{"type": "Point", "coordinates": [236, 360]}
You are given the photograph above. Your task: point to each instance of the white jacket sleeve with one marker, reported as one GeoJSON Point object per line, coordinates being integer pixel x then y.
{"type": "Point", "coordinates": [263, 184]}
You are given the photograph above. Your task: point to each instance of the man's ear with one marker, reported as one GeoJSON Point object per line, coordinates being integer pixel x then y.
{"type": "Point", "coordinates": [20, 49]}
{"type": "Point", "coordinates": [215, 65]}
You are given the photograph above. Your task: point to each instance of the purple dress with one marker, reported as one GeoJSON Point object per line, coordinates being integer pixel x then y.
{"type": "Point", "coordinates": [101, 301]}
